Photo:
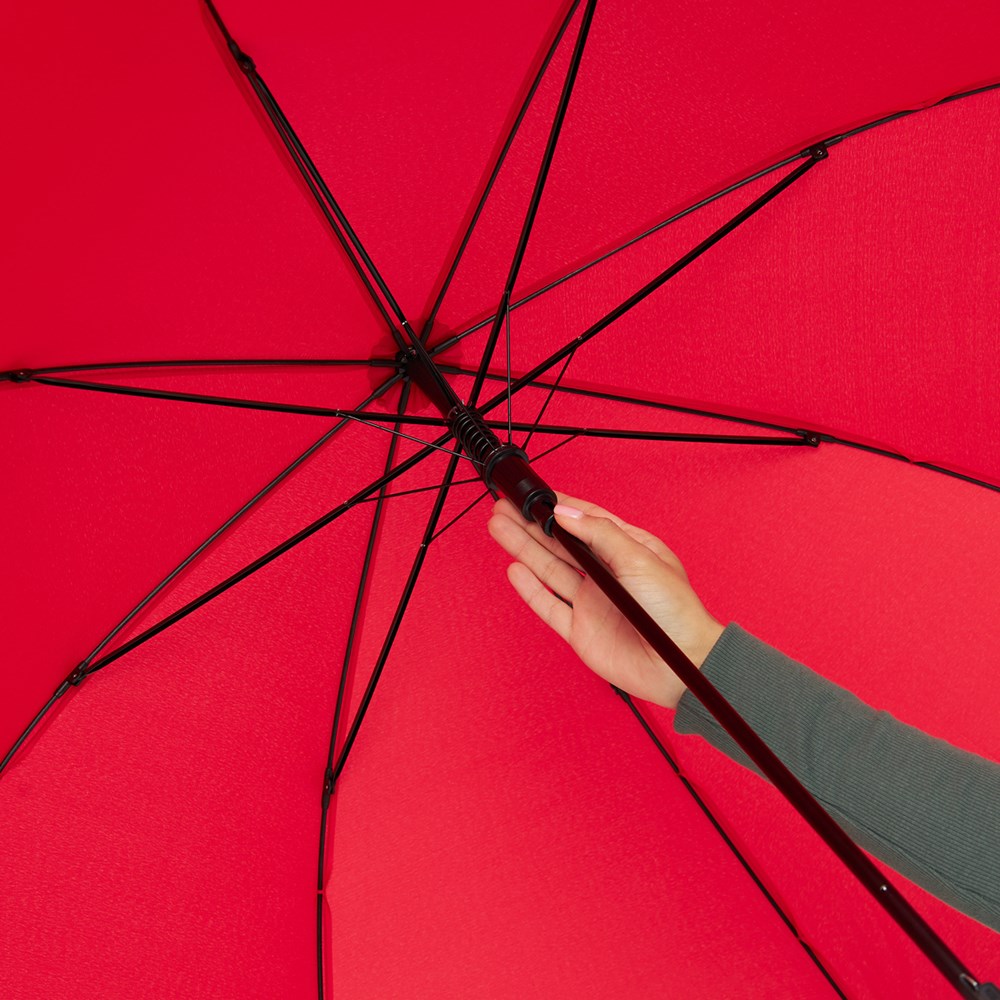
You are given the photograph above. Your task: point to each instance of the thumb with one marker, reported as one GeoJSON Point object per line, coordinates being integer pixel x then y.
{"type": "Point", "coordinates": [622, 553]}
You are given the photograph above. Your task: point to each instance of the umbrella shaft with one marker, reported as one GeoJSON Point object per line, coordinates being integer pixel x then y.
{"type": "Point", "coordinates": [757, 750]}
{"type": "Point", "coordinates": [506, 471]}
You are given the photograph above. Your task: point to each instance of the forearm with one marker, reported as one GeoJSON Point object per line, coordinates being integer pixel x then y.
{"type": "Point", "coordinates": [926, 808]}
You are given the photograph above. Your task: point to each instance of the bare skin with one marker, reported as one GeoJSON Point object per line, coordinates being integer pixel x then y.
{"type": "Point", "coordinates": [585, 618]}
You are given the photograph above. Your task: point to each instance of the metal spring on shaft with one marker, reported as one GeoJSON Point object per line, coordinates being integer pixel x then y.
{"type": "Point", "coordinates": [471, 432]}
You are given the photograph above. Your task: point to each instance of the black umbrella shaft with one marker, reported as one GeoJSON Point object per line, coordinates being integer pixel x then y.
{"type": "Point", "coordinates": [757, 750]}
{"type": "Point", "coordinates": [505, 470]}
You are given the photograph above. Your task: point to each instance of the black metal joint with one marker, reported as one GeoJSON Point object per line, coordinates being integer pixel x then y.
{"type": "Point", "coordinates": [22, 375]}
{"type": "Point", "coordinates": [328, 783]}
{"type": "Point", "coordinates": [244, 62]}
{"type": "Point", "coordinates": [79, 675]}
{"type": "Point", "coordinates": [818, 152]}
{"type": "Point", "coordinates": [810, 438]}
{"type": "Point", "coordinates": [971, 988]}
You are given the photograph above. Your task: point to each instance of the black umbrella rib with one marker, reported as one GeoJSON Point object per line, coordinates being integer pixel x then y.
{"type": "Point", "coordinates": [500, 160]}
{"type": "Point", "coordinates": [899, 457]}
{"type": "Point", "coordinates": [548, 397]}
{"type": "Point", "coordinates": [613, 397]}
{"type": "Point", "coordinates": [328, 206]}
{"type": "Point", "coordinates": [704, 202]}
{"type": "Point", "coordinates": [80, 671]}
{"type": "Point", "coordinates": [457, 338]}
{"type": "Point", "coordinates": [235, 402]}
{"type": "Point", "coordinates": [362, 591]}
{"type": "Point", "coordinates": [333, 773]}
{"type": "Point", "coordinates": [721, 830]}
{"type": "Point", "coordinates": [818, 153]}
{"type": "Point", "coordinates": [369, 418]}
{"type": "Point", "coordinates": [375, 419]}
{"type": "Point", "coordinates": [458, 517]}
{"type": "Point", "coordinates": [536, 197]}
{"type": "Point", "coordinates": [833, 140]}
{"type": "Point", "coordinates": [422, 489]}
{"type": "Point", "coordinates": [27, 374]}
{"type": "Point", "coordinates": [259, 563]}
{"type": "Point", "coordinates": [793, 439]}
{"type": "Point", "coordinates": [397, 620]}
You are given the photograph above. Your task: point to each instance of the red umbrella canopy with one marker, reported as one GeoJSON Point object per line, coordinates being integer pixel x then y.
{"type": "Point", "coordinates": [501, 826]}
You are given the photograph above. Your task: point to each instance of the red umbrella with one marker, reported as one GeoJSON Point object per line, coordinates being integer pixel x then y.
{"type": "Point", "coordinates": [501, 826]}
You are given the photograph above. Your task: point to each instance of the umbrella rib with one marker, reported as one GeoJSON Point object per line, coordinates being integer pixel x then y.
{"type": "Point", "coordinates": [314, 182]}
{"type": "Point", "coordinates": [548, 397]}
{"type": "Point", "coordinates": [833, 140]}
{"type": "Point", "coordinates": [362, 591]}
{"type": "Point", "coordinates": [647, 289]}
{"type": "Point", "coordinates": [500, 160]}
{"type": "Point", "coordinates": [536, 195]}
{"type": "Point", "coordinates": [78, 673]}
{"type": "Point", "coordinates": [510, 429]}
{"type": "Point", "coordinates": [576, 390]}
{"type": "Point", "coordinates": [257, 564]}
{"type": "Point", "coordinates": [707, 200]}
{"type": "Point", "coordinates": [898, 456]}
{"type": "Point", "coordinates": [371, 417]}
{"type": "Point", "coordinates": [329, 204]}
{"type": "Point", "coordinates": [376, 420]}
{"type": "Point", "coordinates": [421, 489]}
{"type": "Point", "coordinates": [457, 338]}
{"type": "Point", "coordinates": [321, 193]}
{"type": "Point", "coordinates": [794, 439]}
{"type": "Point", "coordinates": [397, 620]}
{"type": "Point", "coordinates": [727, 840]}
{"type": "Point", "coordinates": [817, 154]}
{"type": "Point", "coordinates": [26, 374]}
{"type": "Point", "coordinates": [458, 517]}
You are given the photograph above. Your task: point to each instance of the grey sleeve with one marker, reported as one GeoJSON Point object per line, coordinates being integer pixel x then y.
{"type": "Point", "coordinates": [921, 805]}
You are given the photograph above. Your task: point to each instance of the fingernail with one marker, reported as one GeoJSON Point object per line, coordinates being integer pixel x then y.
{"type": "Point", "coordinates": [563, 511]}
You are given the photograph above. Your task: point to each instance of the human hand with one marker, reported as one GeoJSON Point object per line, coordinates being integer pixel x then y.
{"type": "Point", "coordinates": [595, 629]}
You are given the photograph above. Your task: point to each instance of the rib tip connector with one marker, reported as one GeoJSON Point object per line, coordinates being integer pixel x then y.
{"type": "Point", "coordinates": [75, 679]}
{"type": "Point", "coordinates": [244, 61]}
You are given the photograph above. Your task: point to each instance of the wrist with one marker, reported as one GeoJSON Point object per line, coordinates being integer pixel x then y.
{"type": "Point", "coordinates": [704, 643]}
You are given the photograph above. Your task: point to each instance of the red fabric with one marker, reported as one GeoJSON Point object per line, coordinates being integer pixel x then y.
{"type": "Point", "coordinates": [503, 828]}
